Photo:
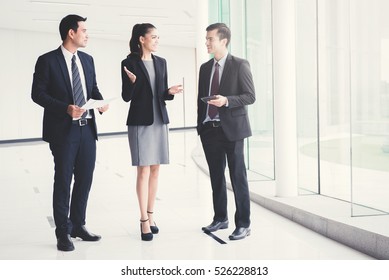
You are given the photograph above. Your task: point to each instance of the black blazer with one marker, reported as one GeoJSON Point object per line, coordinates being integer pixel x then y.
{"type": "Point", "coordinates": [51, 88]}
{"type": "Point", "coordinates": [237, 85]}
{"type": "Point", "coordinates": [140, 93]}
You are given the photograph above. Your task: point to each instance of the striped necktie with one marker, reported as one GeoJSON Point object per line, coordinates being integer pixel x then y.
{"type": "Point", "coordinates": [78, 94]}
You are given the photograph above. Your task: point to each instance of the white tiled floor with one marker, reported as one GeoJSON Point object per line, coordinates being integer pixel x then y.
{"type": "Point", "coordinates": [183, 207]}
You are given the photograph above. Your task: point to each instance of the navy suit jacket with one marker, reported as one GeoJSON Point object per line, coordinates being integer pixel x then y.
{"type": "Point", "coordinates": [140, 93]}
{"type": "Point", "coordinates": [51, 88]}
{"type": "Point", "coordinates": [237, 85]}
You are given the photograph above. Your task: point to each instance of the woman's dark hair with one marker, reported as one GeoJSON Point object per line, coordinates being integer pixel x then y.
{"type": "Point", "coordinates": [140, 29]}
{"type": "Point", "coordinates": [222, 31]}
{"type": "Point", "coordinates": [67, 23]}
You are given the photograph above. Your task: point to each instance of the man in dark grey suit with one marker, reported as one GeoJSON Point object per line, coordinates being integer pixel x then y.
{"type": "Point", "coordinates": [64, 78]}
{"type": "Point", "coordinates": [223, 124]}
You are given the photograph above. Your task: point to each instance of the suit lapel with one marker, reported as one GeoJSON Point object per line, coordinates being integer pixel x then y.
{"type": "Point", "coordinates": [88, 78]}
{"type": "Point", "coordinates": [144, 70]}
{"type": "Point", "coordinates": [207, 76]}
{"type": "Point", "coordinates": [204, 90]}
{"type": "Point", "coordinates": [64, 71]}
{"type": "Point", "coordinates": [226, 72]}
{"type": "Point", "coordinates": [158, 71]}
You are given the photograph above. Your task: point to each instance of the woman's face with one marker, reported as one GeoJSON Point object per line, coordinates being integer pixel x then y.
{"type": "Point", "coordinates": [150, 40]}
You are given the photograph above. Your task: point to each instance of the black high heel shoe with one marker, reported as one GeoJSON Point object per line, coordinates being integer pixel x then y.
{"type": "Point", "coordinates": [154, 229]}
{"type": "Point", "coordinates": [145, 236]}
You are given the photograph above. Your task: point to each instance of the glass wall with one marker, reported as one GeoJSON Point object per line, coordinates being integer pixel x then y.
{"type": "Point", "coordinates": [342, 85]}
{"type": "Point", "coordinates": [259, 54]}
{"type": "Point", "coordinates": [342, 74]}
{"type": "Point", "coordinates": [369, 79]}
{"type": "Point", "coordinates": [334, 98]}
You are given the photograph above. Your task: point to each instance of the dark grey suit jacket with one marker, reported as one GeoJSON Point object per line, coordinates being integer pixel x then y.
{"type": "Point", "coordinates": [51, 88]}
{"type": "Point", "coordinates": [237, 85]}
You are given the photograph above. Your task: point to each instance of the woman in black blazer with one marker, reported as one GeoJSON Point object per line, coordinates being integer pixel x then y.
{"type": "Point", "coordinates": [144, 83]}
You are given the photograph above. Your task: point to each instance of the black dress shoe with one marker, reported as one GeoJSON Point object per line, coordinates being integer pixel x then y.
{"type": "Point", "coordinates": [215, 225]}
{"type": "Point", "coordinates": [240, 233]}
{"type": "Point", "coordinates": [82, 233]}
{"type": "Point", "coordinates": [64, 243]}
{"type": "Point", "coordinates": [154, 229]}
{"type": "Point", "coordinates": [148, 236]}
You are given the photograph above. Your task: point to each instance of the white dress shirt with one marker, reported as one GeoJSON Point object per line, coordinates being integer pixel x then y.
{"type": "Point", "coordinates": [68, 59]}
{"type": "Point", "coordinates": [221, 63]}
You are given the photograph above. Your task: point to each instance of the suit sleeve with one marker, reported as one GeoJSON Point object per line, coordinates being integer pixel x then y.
{"type": "Point", "coordinates": [201, 106]}
{"type": "Point", "coordinates": [40, 93]}
{"type": "Point", "coordinates": [166, 94]}
{"type": "Point", "coordinates": [246, 95]}
{"type": "Point", "coordinates": [95, 90]}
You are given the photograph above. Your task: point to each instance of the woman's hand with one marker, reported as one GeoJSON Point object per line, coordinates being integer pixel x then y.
{"type": "Point", "coordinates": [103, 109]}
{"type": "Point", "coordinates": [130, 75]}
{"type": "Point", "coordinates": [175, 89]}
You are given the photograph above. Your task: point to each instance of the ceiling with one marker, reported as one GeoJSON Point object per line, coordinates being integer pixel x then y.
{"type": "Point", "coordinates": [108, 19]}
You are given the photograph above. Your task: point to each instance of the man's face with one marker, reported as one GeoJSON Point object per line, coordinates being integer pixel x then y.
{"type": "Point", "coordinates": [79, 38]}
{"type": "Point", "coordinates": [213, 42]}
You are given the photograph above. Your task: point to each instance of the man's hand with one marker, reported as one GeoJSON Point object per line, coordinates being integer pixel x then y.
{"type": "Point", "coordinates": [219, 101]}
{"type": "Point", "coordinates": [75, 112]}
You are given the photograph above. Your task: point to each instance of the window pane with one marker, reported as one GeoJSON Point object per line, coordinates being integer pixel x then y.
{"type": "Point", "coordinates": [370, 105]}
{"type": "Point", "coordinates": [334, 98]}
{"type": "Point", "coordinates": [259, 54]}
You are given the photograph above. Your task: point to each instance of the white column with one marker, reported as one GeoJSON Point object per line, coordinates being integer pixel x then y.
{"type": "Point", "coordinates": [284, 69]}
{"type": "Point", "coordinates": [202, 23]}
{"type": "Point", "coordinates": [201, 52]}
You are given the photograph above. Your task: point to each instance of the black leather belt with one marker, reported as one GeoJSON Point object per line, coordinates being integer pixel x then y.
{"type": "Point", "coordinates": [81, 122]}
{"type": "Point", "coordinates": [212, 124]}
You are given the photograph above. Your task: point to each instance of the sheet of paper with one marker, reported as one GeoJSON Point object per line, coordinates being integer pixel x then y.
{"type": "Point", "coordinates": [93, 103]}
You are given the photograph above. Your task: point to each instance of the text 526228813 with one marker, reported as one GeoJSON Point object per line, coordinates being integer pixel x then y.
{"type": "Point", "coordinates": [241, 271]}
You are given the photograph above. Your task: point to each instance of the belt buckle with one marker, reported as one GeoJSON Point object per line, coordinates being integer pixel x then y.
{"type": "Point", "coordinates": [82, 122]}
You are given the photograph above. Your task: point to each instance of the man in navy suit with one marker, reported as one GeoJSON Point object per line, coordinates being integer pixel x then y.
{"type": "Point", "coordinates": [223, 124]}
{"type": "Point", "coordinates": [70, 130]}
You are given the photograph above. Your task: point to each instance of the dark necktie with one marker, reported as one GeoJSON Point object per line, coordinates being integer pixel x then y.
{"type": "Point", "coordinates": [78, 93]}
{"type": "Point", "coordinates": [212, 110]}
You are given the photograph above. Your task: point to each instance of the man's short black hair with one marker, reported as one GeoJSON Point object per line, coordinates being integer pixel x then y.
{"type": "Point", "coordinates": [222, 31]}
{"type": "Point", "coordinates": [67, 23]}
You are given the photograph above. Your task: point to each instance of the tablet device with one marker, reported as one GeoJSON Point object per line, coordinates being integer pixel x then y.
{"type": "Point", "coordinates": [207, 98]}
